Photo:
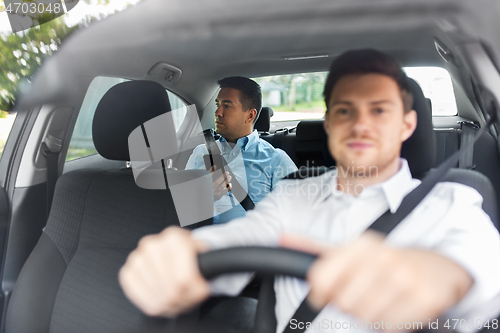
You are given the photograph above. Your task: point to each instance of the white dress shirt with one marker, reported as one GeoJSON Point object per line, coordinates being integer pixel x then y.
{"type": "Point", "coordinates": [449, 221]}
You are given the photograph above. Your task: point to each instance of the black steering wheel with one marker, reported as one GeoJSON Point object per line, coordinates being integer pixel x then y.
{"type": "Point", "coordinates": [264, 261]}
{"type": "Point", "coordinates": [261, 260]}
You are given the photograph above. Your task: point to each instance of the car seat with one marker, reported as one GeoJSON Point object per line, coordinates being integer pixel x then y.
{"type": "Point", "coordinates": [69, 282]}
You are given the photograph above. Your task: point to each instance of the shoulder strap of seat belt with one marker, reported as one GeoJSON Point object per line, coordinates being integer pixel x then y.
{"type": "Point", "coordinates": [468, 129]}
{"type": "Point", "coordinates": [387, 221]}
{"type": "Point", "coordinates": [278, 137]}
{"type": "Point", "coordinates": [51, 159]}
{"type": "Point", "coordinates": [238, 191]}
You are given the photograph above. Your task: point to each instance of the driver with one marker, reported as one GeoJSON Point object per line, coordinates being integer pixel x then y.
{"type": "Point", "coordinates": [442, 260]}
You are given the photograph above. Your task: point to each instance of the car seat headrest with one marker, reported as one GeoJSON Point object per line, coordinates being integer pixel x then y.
{"type": "Point", "coordinates": [263, 123]}
{"type": "Point", "coordinates": [420, 148]}
{"type": "Point", "coordinates": [122, 109]}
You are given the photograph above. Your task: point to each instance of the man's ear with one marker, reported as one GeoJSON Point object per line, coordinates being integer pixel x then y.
{"type": "Point", "coordinates": [251, 115]}
{"type": "Point", "coordinates": [325, 123]}
{"type": "Point", "coordinates": [410, 124]}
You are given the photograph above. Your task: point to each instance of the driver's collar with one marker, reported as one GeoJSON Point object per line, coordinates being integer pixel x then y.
{"type": "Point", "coordinates": [394, 189]}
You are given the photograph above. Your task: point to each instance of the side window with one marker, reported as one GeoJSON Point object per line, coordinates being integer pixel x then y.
{"type": "Point", "coordinates": [179, 109]}
{"type": "Point", "coordinates": [6, 122]}
{"type": "Point", "coordinates": [81, 143]}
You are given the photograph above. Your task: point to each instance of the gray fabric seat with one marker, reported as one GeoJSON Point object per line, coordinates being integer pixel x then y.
{"type": "Point", "coordinates": [263, 123]}
{"type": "Point", "coordinates": [486, 158]}
{"type": "Point", "coordinates": [69, 282]}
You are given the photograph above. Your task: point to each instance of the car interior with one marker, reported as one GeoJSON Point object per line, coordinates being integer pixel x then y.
{"type": "Point", "coordinates": [68, 224]}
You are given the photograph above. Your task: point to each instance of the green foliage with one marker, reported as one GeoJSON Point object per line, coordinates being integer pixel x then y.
{"type": "Point", "coordinates": [22, 53]}
{"type": "Point", "coordinates": [315, 106]}
{"type": "Point", "coordinates": [298, 92]}
{"type": "Point", "coordinates": [74, 153]}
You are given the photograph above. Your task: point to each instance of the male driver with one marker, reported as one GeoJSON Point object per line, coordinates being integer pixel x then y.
{"type": "Point", "coordinates": [256, 164]}
{"type": "Point", "coordinates": [443, 259]}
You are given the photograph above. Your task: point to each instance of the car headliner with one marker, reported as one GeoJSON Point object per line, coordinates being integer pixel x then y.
{"type": "Point", "coordinates": [209, 40]}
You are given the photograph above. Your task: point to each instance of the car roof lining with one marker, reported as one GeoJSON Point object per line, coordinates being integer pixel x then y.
{"type": "Point", "coordinates": [225, 38]}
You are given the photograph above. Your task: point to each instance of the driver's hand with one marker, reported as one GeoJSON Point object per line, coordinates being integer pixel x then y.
{"type": "Point", "coordinates": [161, 277]}
{"type": "Point", "coordinates": [222, 184]}
{"type": "Point", "coordinates": [375, 282]}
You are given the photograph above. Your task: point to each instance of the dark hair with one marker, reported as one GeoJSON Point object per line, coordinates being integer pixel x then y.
{"type": "Point", "coordinates": [250, 94]}
{"type": "Point", "coordinates": [368, 61]}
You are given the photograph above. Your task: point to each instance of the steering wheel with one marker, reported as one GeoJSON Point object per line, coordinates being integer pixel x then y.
{"type": "Point", "coordinates": [265, 261]}
{"type": "Point", "coordinates": [261, 260]}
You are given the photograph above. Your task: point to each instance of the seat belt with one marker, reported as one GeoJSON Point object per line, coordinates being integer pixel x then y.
{"type": "Point", "coordinates": [468, 129]}
{"type": "Point", "coordinates": [388, 221]}
{"type": "Point", "coordinates": [51, 160]}
{"type": "Point", "coordinates": [51, 155]}
{"type": "Point", "coordinates": [279, 136]}
{"type": "Point", "coordinates": [237, 190]}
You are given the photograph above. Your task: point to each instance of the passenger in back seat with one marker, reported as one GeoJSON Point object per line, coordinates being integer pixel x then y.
{"type": "Point", "coordinates": [256, 164]}
{"type": "Point", "coordinates": [442, 260]}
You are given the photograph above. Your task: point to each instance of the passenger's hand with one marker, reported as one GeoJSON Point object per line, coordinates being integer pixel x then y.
{"type": "Point", "coordinates": [161, 277]}
{"type": "Point", "coordinates": [222, 184]}
{"type": "Point", "coordinates": [375, 282]}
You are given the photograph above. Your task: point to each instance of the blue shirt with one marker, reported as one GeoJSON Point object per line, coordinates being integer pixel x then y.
{"type": "Point", "coordinates": [255, 163]}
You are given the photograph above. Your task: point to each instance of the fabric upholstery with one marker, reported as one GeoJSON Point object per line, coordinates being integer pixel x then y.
{"type": "Point", "coordinates": [31, 304]}
{"type": "Point", "coordinates": [69, 283]}
{"type": "Point", "coordinates": [128, 104]}
{"type": "Point", "coordinates": [263, 123]}
{"type": "Point", "coordinates": [311, 144]}
{"type": "Point", "coordinates": [420, 148]}
{"type": "Point", "coordinates": [96, 220]}
{"type": "Point", "coordinates": [482, 184]}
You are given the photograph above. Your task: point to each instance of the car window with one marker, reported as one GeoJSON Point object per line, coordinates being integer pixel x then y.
{"type": "Point", "coordinates": [81, 143]}
{"type": "Point", "coordinates": [6, 122]}
{"type": "Point", "coordinates": [300, 96]}
{"type": "Point", "coordinates": [179, 106]}
{"type": "Point", "coordinates": [436, 85]}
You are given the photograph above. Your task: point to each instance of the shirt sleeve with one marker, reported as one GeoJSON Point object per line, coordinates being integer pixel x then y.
{"type": "Point", "coordinates": [473, 242]}
{"type": "Point", "coordinates": [261, 226]}
{"type": "Point", "coordinates": [195, 161]}
{"type": "Point", "coordinates": [283, 166]}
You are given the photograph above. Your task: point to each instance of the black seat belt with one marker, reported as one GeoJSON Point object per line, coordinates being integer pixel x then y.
{"type": "Point", "coordinates": [51, 158]}
{"type": "Point", "coordinates": [237, 190]}
{"type": "Point", "coordinates": [468, 129]}
{"type": "Point", "coordinates": [388, 221]}
{"type": "Point", "coordinates": [279, 135]}
{"type": "Point", "coordinates": [278, 138]}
